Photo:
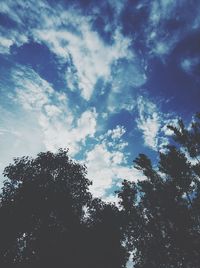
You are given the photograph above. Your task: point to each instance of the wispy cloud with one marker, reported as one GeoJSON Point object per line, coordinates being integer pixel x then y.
{"type": "Point", "coordinates": [107, 164]}
{"type": "Point", "coordinates": [149, 122]}
{"type": "Point", "coordinates": [167, 25]}
{"type": "Point", "coordinates": [127, 77]}
{"type": "Point", "coordinates": [60, 127]}
{"type": "Point", "coordinates": [91, 57]}
{"type": "Point", "coordinates": [5, 44]}
{"type": "Point", "coordinates": [190, 65]}
{"type": "Point", "coordinates": [70, 36]}
{"type": "Point", "coordinates": [9, 38]}
{"type": "Point", "coordinates": [19, 135]}
{"type": "Point", "coordinates": [153, 124]}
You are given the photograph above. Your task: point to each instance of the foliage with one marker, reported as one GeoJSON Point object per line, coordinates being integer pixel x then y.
{"type": "Point", "coordinates": [49, 218]}
{"type": "Point", "coordinates": [164, 227]}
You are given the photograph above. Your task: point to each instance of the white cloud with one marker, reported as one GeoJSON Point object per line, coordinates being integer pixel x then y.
{"type": "Point", "coordinates": [162, 48]}
{"type": "Point", "coordinates": [32, 91]}
{"type": "Point", "coordinates": [5, 44]}
{"type": "Point", "coordinates": [115, 133]}
{"type": "Point", "coordinates": [127, 77]}
{"type": "Point", "coordinates": [162, 9]}
{"type": "Point", "coordinates": [107, 164]}
{"type": "Point", "coordinates": [118, 5]}
{"type": "Point", "coordinates": [149, 122]}
{"type": "Point", "coordinates": [91, 57]}
{"type": "Point", "coordinates": [189, 64]}
{"type": "Point", "coordinates": [20, 135]}
{"type": "Point", "coordinates": [161, 44]}
{"type": "Point", "coordinates": [52, 110]}
{"type": "Point", "coordinates": [86, 125]}
{"type": "Point", "coordinates": [159, 37]}
{"type": "Point", "coordinates": [112, 198]}
{"type": "Point", "coordinates": [186, 65]}
{"type": "Point", "coordinates": [60, 127]}
{"type": "Point", "coordinates": [70, 36]}
{"type": "Point", "coordinates": [41, 119]}
{"type": "Point", "coordinates": [171, 122]}
{"type": "Point", "coordinates": [9, 38]}
{"type": "Point", "coordinates": [130, 262]}
{"type": "Point", "coordinates": [128, 74]}
{"type": "Point", "coordinates": [31, 12]}
{"type": "Point", "coordinates": [153, 124]}
{"type": "Point", "coordinates": [105, 168]}
{"type": "Point", "coordinates": [113, 138]}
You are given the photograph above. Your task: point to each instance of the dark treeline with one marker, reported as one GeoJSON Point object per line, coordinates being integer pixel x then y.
{"type": "Point", "coordinates": [48, 217]}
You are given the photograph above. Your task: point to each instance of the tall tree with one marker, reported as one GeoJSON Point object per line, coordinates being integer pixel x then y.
{"type": "Point", "coordinates": [164, 230]}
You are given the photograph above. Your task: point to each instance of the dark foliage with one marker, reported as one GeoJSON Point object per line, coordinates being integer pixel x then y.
{"type": "Point", "coordinates": [48, 218]}
{"type": "Point", "coordinates": [163, 222]}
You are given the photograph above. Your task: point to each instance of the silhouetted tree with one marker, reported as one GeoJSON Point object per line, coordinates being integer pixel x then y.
{"type": "Point", "coordinates": [162, 213]}
{"type": "Point", "coordinates": [48, 217]}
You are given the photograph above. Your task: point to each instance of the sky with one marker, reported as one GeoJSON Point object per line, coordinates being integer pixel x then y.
{"type": "Point", "coordinates": [102, 78]}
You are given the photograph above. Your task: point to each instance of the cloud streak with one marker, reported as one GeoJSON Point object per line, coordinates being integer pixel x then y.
{"type": "Point", "coordinates": [69, 35]}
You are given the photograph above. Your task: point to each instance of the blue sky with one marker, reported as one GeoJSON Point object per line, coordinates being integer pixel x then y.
{"type": "Point", "coordinates": [101, 78]}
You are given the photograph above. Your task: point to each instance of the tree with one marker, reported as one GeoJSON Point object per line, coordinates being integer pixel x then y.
{"type": "Point", "coordinates": [48, 218]}
{"type": "Point", "coordinates": [164, 226]}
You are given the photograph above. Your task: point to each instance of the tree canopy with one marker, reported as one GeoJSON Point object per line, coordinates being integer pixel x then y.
{"type": "Point", "coordinates": [49, 218]}
{"type": "Point", "coordinates": [163, 211]}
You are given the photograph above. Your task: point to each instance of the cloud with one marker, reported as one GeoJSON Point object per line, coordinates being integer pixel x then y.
{"type": "Point", "coordinates": [130, 262]}
{"type": "Point", "coordinates": [168, 24]}
{"type": "Point", "coordinates": [91, 57]}
{"type": "Point", "coordinates": [118, 5]}
{"type": "Point", "coordinates": [127, 77]}
{"type": "Point", "coordinates": [171, 122]}
{"type": "Point", "coordinates": [105, 168]}
{"type": "Point", "coordinates": [149, 122]}
{"type": "Point", "coordinates": [86, 125]}
{"type": "Point", "coordinates": [107, 164]}
{"type": "Point", "coordinates": [32, 91]}
{"type": "Point", "coordinates": [153, 123]}
{"type": "Point", "coordinates": [115, 133]}
{"type": "Point", "coordinates": [9, 38]}
{"type": "Point", "coordinates": [190, 64]}
{"type": "Point", "coordinates": [56, 120]}
{"type": "Point", "coordinates": [19, 135]}
{"type": "Point", "coordinates": [5, 45]}
{"type": "Point", "coordinates": [69, 35]}
{"type": "Point", "coordinates": [162, 10]}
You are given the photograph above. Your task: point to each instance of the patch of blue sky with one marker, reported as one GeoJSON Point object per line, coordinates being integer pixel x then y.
{"type": "Point", "coordinates": [6, 22]}
{"type": "Point", "coordinates": [42, 61]}
{"type": "Point", "coordinates": [172, 84]}
{"type": "Point", "coordinates": [133, 18]}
